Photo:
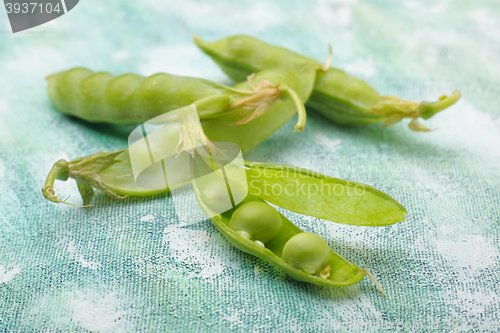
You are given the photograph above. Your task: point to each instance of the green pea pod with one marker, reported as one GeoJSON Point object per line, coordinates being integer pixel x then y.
{"type": "Point", "coordinates": [310, 193]}
{"type": "Point", "coordinates": [112, 174]}
{"type": "Point", "coordinates": [343, 273]}
{"type": "Point", "coordinates": [130, 98]}
{"type": "Point", "coordinates": [346, 201]}
{"type": "Point", "coordinates": [127, 99]}
{"type": "Point", "coordinates": [299, 78]}
{"type": "Point", "coordinates": [337, 95]}
{"type": "Point", "coordinates": [133, 99]}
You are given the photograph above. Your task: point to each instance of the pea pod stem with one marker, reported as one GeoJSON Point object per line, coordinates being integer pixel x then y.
{"type": "Point", "coordinates": [265, 96]}
{"type": "Point", "coordinates": [59, 171]}
{"type": "Point", "coordinates": [379, 286]}
{"type": "Point", "coordinates": [85, 171]}
{"type": "Point", "coordinates": [301, 110]}
{"type": "Point", "coordinates": [328, 60]}
{"type": "Point", "coordinates": [429, 109]}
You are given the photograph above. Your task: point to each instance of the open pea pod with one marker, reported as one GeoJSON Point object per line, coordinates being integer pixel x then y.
{"type": "Point", "coordinates": [343, 273]}
{"type": "Point", "coordinates": [112, 174]}
{"type": "Point", "coordinates": [310, 193]}
{"type": "Point", "coordinates": [348, 202]}
{"type": "Point", "coordinates": [337, 95]}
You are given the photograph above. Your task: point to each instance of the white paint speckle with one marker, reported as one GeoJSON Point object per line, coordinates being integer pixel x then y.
{"type": "Point", "coordinates": [120, 55]}
{"type": "Point", "coordinates": [472, 303]}
{"type": "Point", "coordinates": [189, 247]}
{"type": "Point", "coordinates": [475, 131]}
{"type": "Point", "coordinates": [355, 308]}
{"type": "Point", "coordinates": [471, 252]}
{"type": "Point", "coordinates": [338, 13]}
{"type": "Point", "coordinates": [482, 17]}
{"type": "Point", "coordinates": [362, 67]}
{"type": "Point", "coordinates": [47, 60]}
{"type": "Point", "coordinates": [486, 23]}
{"type": "Point", "coordinates": [173, 59]}
{"type": "Point", "coordinates": [8, 275]}
{"type": "Point", "coordinates": [87, 263]}
{"type": "Point", "coordinates": [256, 270]}
{"type": "Point", "coordinates": [147, 218]}
{"type": "Point", "coordinates": [331, 145]}
{"type": "Point", "coordinates": [2, 170]}
{"type": "Point", "coordinates": [234, 319]}
{"type": "Point", "coordinates": [260, 16]}
{"type": "Point", "coordinates": [3, 106]}
{"type": "Point", "coordinates": [75, 254]}
{"type": "Point", "coordinates": [4, 112]}
{"type": "Point", "coordinates": [438, 7]}
{"type": "Point", "coordinates": [96, 312]}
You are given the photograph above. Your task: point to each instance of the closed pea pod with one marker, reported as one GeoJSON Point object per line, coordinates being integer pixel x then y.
{"type": "Point", "coordinates": [132, 99]}
{"type": "Point", "coordinates": [245, 114]}
{"type": "Point", "coordinates": [337, 95]}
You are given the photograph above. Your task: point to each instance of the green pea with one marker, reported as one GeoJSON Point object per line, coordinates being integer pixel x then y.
{"type": "Point", "coordinates": [258, 219]}
{"type": "Point", "coordinates": [308, 252]}
{"type": "Point", "coordinates": [216, 194]}
{"type": "Point", "coordinates": [337, 95]}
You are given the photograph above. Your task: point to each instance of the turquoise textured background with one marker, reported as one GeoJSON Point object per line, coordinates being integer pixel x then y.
{"type": "Point", "coordinates": [126, 266]}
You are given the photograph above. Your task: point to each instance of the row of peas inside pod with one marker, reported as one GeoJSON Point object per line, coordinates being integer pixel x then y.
{"type": "Point", "coordinates": [257, 228]}
{"type": "Point", "coordinates": [259, 222]}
